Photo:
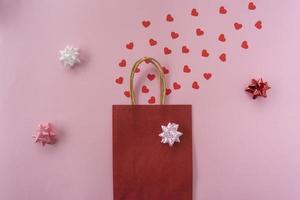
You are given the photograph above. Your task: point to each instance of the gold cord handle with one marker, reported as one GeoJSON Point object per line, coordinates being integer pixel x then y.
{"type": "Point", "coordinates": [161, 78]}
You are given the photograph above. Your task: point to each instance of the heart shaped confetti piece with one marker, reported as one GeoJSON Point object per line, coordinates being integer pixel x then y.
{"type": "Point", "coordinates": [146, 23]}
{"type": "Point", "coordinates": [174, 35]}
{"type": "Point", "coordinates": [186, 69]}
{"type": "Point", "coordinates": [222, 38]}
{"type": "Point", "coordinates": [165, 70]}
{"type": "Point", "coordinates": [222, 10]}
{"type": "Point", "coordinates": [222, 57]}
{"type": "Point", "coordinates": [167, 51]}
{"type": "Point", "coordinates": [137, 70]}
{"type": "Point", "coordinates": [237, 26]}
{"type": "Point", "coordinates": [205, 53]}
{"type": "Point", "coordinates": [245, 45]}
{"type": "Point", "coordinates": [127, 93]}
{"type": "Point", "coordinates": [258, 24]}
{"type": "Point", "coordinates": [207, 76]}
{"type": "Point", "coordinates": [169, 18]}
{"type": "Point", "coordinates": [151, 100]}
{"type": "Point", "coordinates": [119, 80]}
{"type": "Point", "coordinates": [151, 77]}
{"type": "Point", "coordinates": [195, 85]}
{"type": "Point", "coordinates": [122, 63]}
{"type": "Point", "coordinates": [185, 49]}
{"type": "Point", "coordinates": [145, 89]}
{"type": "Point", "coordinates": [199, 32]}
{"type": "Point", "coordinates": [168, 91]}
{"type": "Point", "coordinates": [129, 45]}
{"type": "Point", "coordinates": [176, 86]}
{"type": "Point", "coordinates": [194, 12]}
{"type": "Point", "coordinates": [152, 42]}
{"type": "Point", "coordinates": [251, 6]}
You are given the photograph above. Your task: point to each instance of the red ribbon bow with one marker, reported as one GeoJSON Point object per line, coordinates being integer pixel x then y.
{"type": "Point", "coordinates": [258, 88]}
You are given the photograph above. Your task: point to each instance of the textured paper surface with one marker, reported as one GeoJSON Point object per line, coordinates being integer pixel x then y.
{"type": "Point", "coordinates": [243, 149]}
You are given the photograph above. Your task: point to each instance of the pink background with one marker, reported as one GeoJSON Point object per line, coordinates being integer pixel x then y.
{"type": "Point", "coordinates": [243, 149]}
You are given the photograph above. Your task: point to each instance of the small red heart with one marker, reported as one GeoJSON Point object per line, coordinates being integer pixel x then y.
{"type": "Point", "coordinates": [119, 80]}
{"type": "Point", "coordinates": [205, 53]}
{"type": "Point", "coordinates": [145, 89]}
{"type": "Point", "coordinates": [199, 32]}
{"type": "Point", "coordinates": [194, 12]}
{"type": "Point", "coordinates": [122, 63]}
{"type": "Point", "coordinates": [146, 23]}
{"type": "Point", "coordinates": [258, 24]}
{"type": "Point", "coordinates": [176, 86]}
{"type": "Point", "coordinates": [169, 18]}
{"type": "Point", "coordinates": [186, 69]}
{"type": "Point", "coordinates": [222, 38]}
{"type": "Point", "coordinates": [152, 42]}
{"type": "Point", "coordinates": [251, 6]}
{"type": "Point", "coordinates": [129, 45]}
{"type": "Point", "coordinates": [207, 76]}
{"type": "Point", "coordinates": [167, 51]}
{"type": "Point", "coordinates": [237, 26]}
{"type": "Point", "coordinates": [245, 45]}
{"type": "Point", "coordinates": [185, 49]}
{"type": "Point", "coordinates": [165, 70]}
{"type": "Point", "coordinates": [168, 91]}
{"type": "Point", "coordinates": [195, 85]}
{"type": "Point", "coordinates": [127, 93]}
{"type": "Point", "coordinates": [151, 77]}
{"type": "Point", "coordinates": [222, 10]}
{"type": "Point", "coordinates": [137, 70]}
{"type": "Point", "coordinates": [151, 100]}
{"type": "Point", "coordinates": [222, 57]}
{"type": "Point", "coordinates": [174, 35]}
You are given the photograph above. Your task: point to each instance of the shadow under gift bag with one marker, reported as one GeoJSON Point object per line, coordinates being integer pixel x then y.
{"type": "Point", "coordinates": [152, 148]}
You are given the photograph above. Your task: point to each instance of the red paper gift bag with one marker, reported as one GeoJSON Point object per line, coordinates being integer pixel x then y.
{"type": "Point", "coordinates": [152, 148]}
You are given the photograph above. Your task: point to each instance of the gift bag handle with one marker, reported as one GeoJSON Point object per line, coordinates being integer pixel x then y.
{"type": "Point", "coordinates": [161, 78]}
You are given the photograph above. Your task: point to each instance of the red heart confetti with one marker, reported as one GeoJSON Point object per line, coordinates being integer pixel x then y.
{"type": "Point", "coordinates": [168, 91]}
{"type": "Point", "coordinates": [174, 35]}
{"type": "Point", "coordinates": [151, 77]}
{"type": "Point", "coordinates": [169, 18]}
{"type": "Point", "coordinates": [251, 6]}
{"type": "Point", "coordinates": [222, 57]}
{"type": "Point", "coordinates": [119, 80]}
{"type": "Point", "coordinates": [205, 53]}
{"type": "Point", "coordinates": [145, 89]}
{"type": "Point", "coordinates": [199, 32]}
{"type": "Point", "coordinates": [129, 45]}
{"type": "Point", "coordinates": [222, 10]}
{"type": "Point", "coordinates": [137, 70]}
{"type": "Point", "coordinates": [185, 49]}
{"type": "Point", "coordinates": [151, 100]}
{"type": "Point", "coordinates": [152, 42]}
{"type": "Point", "coordinates": [207, 76]}
{"type": "Point", "coordinates": [165, 70]}
{"type": "Point", "coordinates": [194, 12]}
{"type": "Point", "coordinates": [122, 63]}
{"type": "Point", "coordinates": [127, 93]}
{"type": "Point", "coordinates": [222, 37]}
{"type": "Point", "coordinates": [258, 24]}
{"type": "Point", "coordinates": [186, 69]}
{"type": "Point", "coordinates": [146, 23]}
{"type": "Point", "coordinates": [238, 26]}
{"type": "Point", "coordinates": [167, 51]}
{"type": "Point", "coordinates": [195, 85]}
{"type": "Point", "coordinates": [245, 45]}
{"type": "Point", "coordinates": [176, 86]}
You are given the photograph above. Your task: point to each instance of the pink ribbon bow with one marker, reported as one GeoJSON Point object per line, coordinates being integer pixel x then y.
{"type": "Point", "coordinates": [45, 134]}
